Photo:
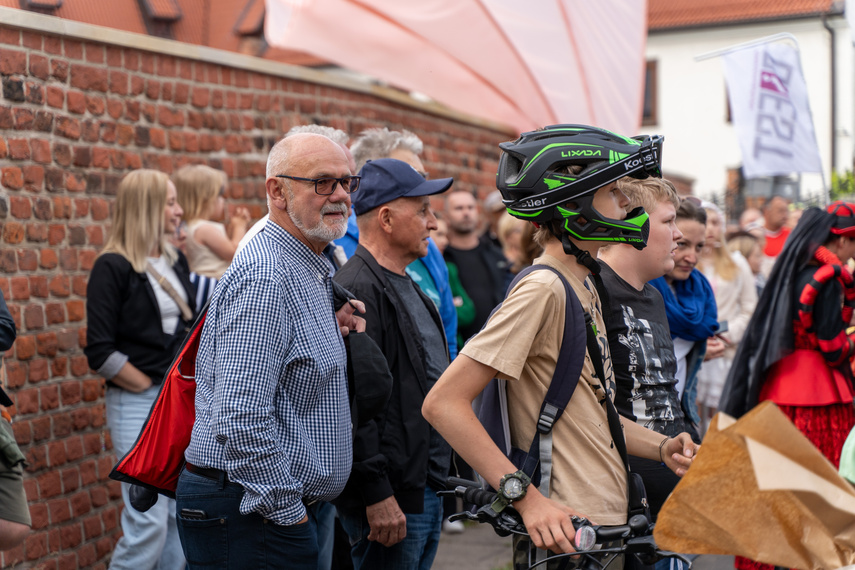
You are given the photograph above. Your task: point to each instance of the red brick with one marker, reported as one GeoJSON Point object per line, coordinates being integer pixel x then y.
{"type": "Point", "coordinates": [87, 259]}
{"type": "Point", "coordinates": [81, 337]}
{"type": "Point", "coordinates": [59, 286]}
{"type": "Point", "coordinates": [13, 62]}
{"type": "Point", "coordinates": [76, 101]}
{"type": "Point", "coordinates": [60, 511]}
{"type": "Point", "coordinates": [28, 260]}
{"type": "Point", "coordinates": [48, 259]}
{"type": "Point", "coordinates": [73, 445]}
{"type": "Point", "coordinates": [35, 93]}
{"type": "Point", "coordinates": [81, 207]}
{"type": "Point", "coordinates": [100, 209]}
{"type": "Point", "coordinates": [125, 135]}
{"type": "Point", "coordinates": [39, 515]}
{"type": "Point", "coordinates": [76, 310]}
{"type": "Point", "coordinates": [67, 339]}
{"type": "Point", "coordinates": [34, 177]}
{"type": "Point", "coordinates": [62, 207]}
{"type": "Point", "coordinates": [27, 402]}
{"type": "Point", "coordinates": [20, 207]}
{"type": "Point", "coordinates": [19, 149]}
{"type": "Point", "coordinates": [56, 234]}
{"type": "Point", "coordinates": [91, 131]}
{"type": "Point", "coordinates": [38, 371]}
{"type": "Point", "coordinates": [92, 527]}
{"type": "Point", "coordinates": [200, 97]}
{"type": "Point", "coordinates": [75, 182]}
{"type": "Point", "coordinates": [4, 148]}
{"type": "Point", "coordinates": [44, 121]}
{"type": "Point", "coordinates": [158, 138]}
{"type": "Point", "coordinates": [115, 108]}
{"type": "Point", "coordinates": [16, 374]}
{"type": "Point", "coordinates": [92, 389]}
{"type": "Point", "coordinates": [68, 128]}
{"type": "Point", "coordinates": [96, 104]}
{"type": "Point", "coordinates": [101, 157]}
{"type": "Point", "coordinates": [95, 235]}
{"type": "Point", "coordinates": [36, 545]}
{"type": "Point", "coordinates": [78, 284]}
{"type": "Point", "coordinates": [99, 496]}
{"type": "Point", "coordinates": [80, 419]}
{"type": "Point", "coordinates": [39, 66]}
{"type": "Point", "coordinates": [181, 94]}
{"type": "Point", "coordinates": [46, 344]}
{"type": "Point", "coordinates": [59, 69]}
{"type": "Point", "coordinates": [41, 426]}
{"type": "Point", "coordinates": [10, 36]}
{"type": "Point", "coordinates": [59, 369]}
{"type": "Point", "coordinates": [55, 313]}
{"type": "Point", "coordinates": [70, 477]}
{"type": "Point", "coordinates": [86, 555]}
{"type": "Point", "coordinates": [91, 445]}
{"type": "Point", "coordinates": [38, 286]}
{"type": "Point", "coordinates": [68, 259]}
{"type": "Point", "coordinates": [13, 232]}
{"type": "Point", "coordinates": [55, 97]}
{"type": "Point", "coordinates": [89, 78]}
{"type": "Point", "coordinates": [62, 154]}
{"type": "Point", "coordinates": [152, 89]}
{"type": "Point", "coordinates": [34, 317]}
{"type": "Point", "coordinates": [80, 504]}
{"type": "Point", "coordinates": [12, 177]}
{"type": "Point", "coordinates": [40, 150]}
{"type": "Point", "coordinates": [95, 53]}
{"type": "Point", "coordinates": [54, 179]}
{"type": "Point", "coordinates": [20, 288]}
{"type": "Point", "coordinates": [36, 233]}
{"type": "Point", "coordinates": [32, 40]}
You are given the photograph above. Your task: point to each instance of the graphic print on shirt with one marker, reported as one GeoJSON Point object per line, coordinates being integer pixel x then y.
{"type": "Point", "coordinates": [648, 360]}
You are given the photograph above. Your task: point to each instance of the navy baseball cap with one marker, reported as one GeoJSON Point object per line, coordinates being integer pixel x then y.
{"type": "Point", "coordinates": [387, 179]}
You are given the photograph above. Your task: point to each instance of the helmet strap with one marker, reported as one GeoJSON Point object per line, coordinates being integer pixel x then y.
{"type": "Point", "coordinates": [582, 257]}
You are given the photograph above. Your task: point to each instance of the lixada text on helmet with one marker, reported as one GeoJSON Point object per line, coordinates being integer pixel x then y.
{"type": "Point", "coordinates": [574, 153]}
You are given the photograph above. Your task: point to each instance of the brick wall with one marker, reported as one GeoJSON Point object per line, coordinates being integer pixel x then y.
{"type": "Point", "coordinates": [75, 116]}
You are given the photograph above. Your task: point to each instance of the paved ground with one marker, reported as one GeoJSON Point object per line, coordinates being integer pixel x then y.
{"type": "Point", "coordinates": [479, 548]}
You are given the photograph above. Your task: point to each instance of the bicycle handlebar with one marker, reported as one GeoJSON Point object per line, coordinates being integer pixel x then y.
{"type": "Point", "coordinates": [637, 534]}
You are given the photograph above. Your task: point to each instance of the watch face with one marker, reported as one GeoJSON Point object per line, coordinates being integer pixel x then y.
{"type": "Point", "coordinates": [513, 488]}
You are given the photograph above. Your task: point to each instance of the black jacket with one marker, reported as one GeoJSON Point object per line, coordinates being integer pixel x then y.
{"type": "Point", "coordinates": [390, 453]}
{"type": "Point", "coordinates": [122, 315]}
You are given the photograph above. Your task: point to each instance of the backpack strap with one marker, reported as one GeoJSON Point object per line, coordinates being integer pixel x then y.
{"type": "Point", "coordinates": [565, 378]}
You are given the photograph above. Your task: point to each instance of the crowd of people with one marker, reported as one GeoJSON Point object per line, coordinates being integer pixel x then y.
{"type": "Point", "coordinates": [355, 268]}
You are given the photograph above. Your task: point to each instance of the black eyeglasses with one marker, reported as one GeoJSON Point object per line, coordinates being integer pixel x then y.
{"type": "Point", "coordinates": [326, 185]}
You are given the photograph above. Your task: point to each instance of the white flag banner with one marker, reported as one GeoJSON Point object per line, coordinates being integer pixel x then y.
{"type": "Point", "coordinates": [770, 111]}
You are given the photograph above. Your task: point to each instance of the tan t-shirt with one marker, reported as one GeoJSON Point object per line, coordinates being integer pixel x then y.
{"type": "Point", "coordinates": [522, 341]}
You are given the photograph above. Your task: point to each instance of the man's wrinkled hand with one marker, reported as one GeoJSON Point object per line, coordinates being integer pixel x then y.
{"type": "Point", "coordinates": [387, 522]}
{"type": "Point", "coordinates": [347, 318]}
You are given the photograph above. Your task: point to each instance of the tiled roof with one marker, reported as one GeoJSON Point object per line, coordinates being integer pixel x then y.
{"type": "Point", "coordinates": [668, 14]}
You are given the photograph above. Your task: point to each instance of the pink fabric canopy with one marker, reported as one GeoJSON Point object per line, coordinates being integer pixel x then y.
{"type": "Point", "coordinates": [524, 64]}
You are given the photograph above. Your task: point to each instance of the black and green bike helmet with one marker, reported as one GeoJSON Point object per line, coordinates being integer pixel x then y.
{"type": "Point", "coordinates": [535, 186]}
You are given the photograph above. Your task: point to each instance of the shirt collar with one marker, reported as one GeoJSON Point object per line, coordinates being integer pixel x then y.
{"type": "Point", "coordinates": [295, 248]}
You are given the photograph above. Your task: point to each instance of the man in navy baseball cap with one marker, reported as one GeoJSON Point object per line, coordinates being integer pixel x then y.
{"type": "Point", "coordinates": [393, 492]}
{"type": "Point", "coordinates": [387, 179]}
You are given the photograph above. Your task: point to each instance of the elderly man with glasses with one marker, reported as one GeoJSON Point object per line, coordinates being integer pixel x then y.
{"type": "Point", "coordinates": [272, 434]}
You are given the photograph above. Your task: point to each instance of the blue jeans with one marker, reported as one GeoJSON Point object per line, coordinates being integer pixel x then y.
{"type": "Point", "coordinates": [150, 539]}
{"type": "Point", "coordinates": [219, 536]}
{"type": "Point", "coordinates": [415, 552]}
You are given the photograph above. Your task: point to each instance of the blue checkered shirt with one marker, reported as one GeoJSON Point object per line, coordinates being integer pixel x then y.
{"type": "Point", "coordinates": [271, 380]}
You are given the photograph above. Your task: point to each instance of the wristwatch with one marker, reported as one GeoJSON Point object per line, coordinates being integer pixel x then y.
{"type": "Point", "coordinates": [512, 487]}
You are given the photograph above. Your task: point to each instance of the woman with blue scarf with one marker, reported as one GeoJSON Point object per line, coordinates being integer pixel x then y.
{"type": "Point", "coordinates": [690, 306]}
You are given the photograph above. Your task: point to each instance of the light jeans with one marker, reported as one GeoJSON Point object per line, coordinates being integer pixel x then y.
{"type": "Point", "coordinates": [151, 538]}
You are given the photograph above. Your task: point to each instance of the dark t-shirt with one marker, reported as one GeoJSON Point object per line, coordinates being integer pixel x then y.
{"type": "Point", "coordinates": [477, 280]}
{"type": "Point", "coordinates": [645, 367]}
{"type": "Point", "coordinates": [436, 361]}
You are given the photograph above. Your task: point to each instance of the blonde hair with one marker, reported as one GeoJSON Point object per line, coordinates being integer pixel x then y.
{"type": "Point", "coordinates": [198, 186]}
{"type": "Point", "coordinates": [723, 263]}
{"type": "Point", "coordinates": [648, 193]}
{"type": "Point", "coordinates": [138, 218]}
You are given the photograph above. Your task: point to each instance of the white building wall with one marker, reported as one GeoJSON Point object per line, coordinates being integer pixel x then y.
{"type": "Point", "coordinates": [692, 99]}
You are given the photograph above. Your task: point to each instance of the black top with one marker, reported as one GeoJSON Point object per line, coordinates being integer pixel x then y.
{"type": "Point", "coordinates": [643, 358]}
{"type": "Point", "coordinates": [390, 452]}
{"type": "Point", "coordinates": [123, 315]}
{"type": "Point", "coordinates": [485, 277]}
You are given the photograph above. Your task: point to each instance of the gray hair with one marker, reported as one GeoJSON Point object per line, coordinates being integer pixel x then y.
{"type": "Point", "coordinates": [278, 154]}
{"type": "Point", "coordinates": [337, 136]}
{"type": "Point", "coordinates": [379, 143]}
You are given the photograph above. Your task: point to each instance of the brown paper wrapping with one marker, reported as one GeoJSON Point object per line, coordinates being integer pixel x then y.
{"type": "Point", "coordinates": [758, 488]}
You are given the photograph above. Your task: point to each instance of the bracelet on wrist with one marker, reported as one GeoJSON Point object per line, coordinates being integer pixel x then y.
{"type": "Point", "coordinates": [661, 445]}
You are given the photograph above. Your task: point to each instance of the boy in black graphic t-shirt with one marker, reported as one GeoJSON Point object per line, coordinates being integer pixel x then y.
{"type": "Point", "coordinates": [639, 338]}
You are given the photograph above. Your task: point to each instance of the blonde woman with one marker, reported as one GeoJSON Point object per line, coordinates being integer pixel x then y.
{"type": "Point", "coordinates": [210, 245]}
{"type": "Point", "coordinates": [139, 305]}
{"type": "Point", "coordinates": [735, 292]}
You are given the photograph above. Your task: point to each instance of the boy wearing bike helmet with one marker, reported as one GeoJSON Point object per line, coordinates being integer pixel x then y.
{"type": "Point", "coordinates": [563, 178]}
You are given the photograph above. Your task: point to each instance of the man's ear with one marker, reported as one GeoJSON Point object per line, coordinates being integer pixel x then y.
{"type": "Point", "coordinates": [276, 194]}
{"type": "Point", "coordinates": [384, 218]}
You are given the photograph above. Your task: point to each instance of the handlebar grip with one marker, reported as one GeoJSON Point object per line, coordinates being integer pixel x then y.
{"type": "Point", "coordinates": [478, 497]}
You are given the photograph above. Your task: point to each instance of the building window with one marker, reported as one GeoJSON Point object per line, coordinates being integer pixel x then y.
{"type": "Point", "coordinates": [649, 114]}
